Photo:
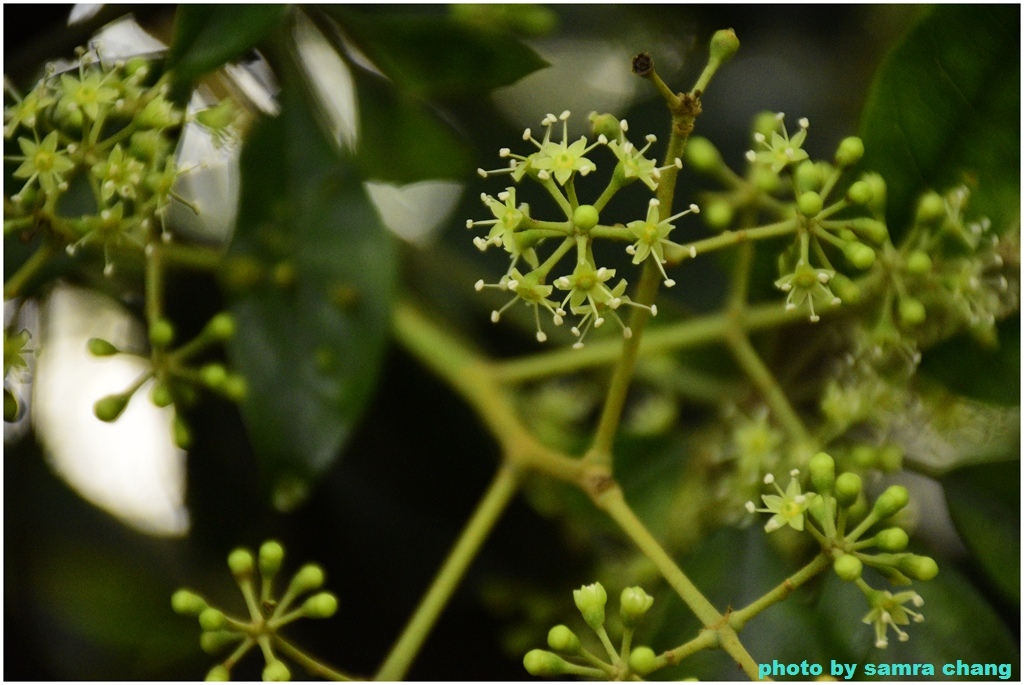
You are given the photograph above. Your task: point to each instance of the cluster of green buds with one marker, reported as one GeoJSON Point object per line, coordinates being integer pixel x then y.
{"type": "Point", "coordinates": [176, 378]}
{"type": "Point", "coordinates": [801, 197]}
{"type": "Point", "coordinates": [568, 656]}
{"type": "Point", "coordinates": [267, 613]}
{"type": "Point", "coordinates": [590, 291]}
{"type": "Point", "coordinates": [838, 504]}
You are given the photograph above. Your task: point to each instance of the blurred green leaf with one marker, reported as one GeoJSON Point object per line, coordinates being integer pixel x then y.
{"type": "Point", "coordinates": [208, 36]}
{"type": "Point", "coordinates": [438, 56]}
{"type": "Point", "coordinates": [945, 108]}
{"type": "Point", "coordinates": [984, 502]}
{"type": "Point", "coordinates": [311, 274]}
{"type": "Point", "coordinates": [967, 368]}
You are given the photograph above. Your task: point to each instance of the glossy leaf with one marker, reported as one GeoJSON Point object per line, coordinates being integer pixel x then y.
{"type": "Point", "coordinates": [311, 275]}
{"type": "Point", "coordinates": [966, 367]}
{"type": "Point", "coordinates": [433, 56]}
{"type": "Point", "coordinates": [984, 502]}
{"type": "Point", "coordinates": [208, 36]}
{"type": "Point", "coordinates": [945, 108]}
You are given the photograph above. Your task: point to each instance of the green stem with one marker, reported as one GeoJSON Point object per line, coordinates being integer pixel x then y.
{"type": "Point", "coordinates": [154, 284]}
{"type": "Point", "coordinates": [14, 285]}
{"type": "Point", "coordinates": [739, 618]}
{"type": "Point", "coordinates": [196, 257]}
{"type": "Point", "coordinates": [676, 253]}
{"type": "Point", "coordinates": [312, 665]}
{"type": "Point", "coordinates": [488, 511]}
{"type": "Point", "coordinates": [705, 640]}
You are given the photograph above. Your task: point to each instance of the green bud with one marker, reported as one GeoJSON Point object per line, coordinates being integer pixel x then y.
{"type": "Point", "coordinates": [633, 605]}
{"type": "Point", "coordinates": [137, 67]}
{"type": "Point", "coordinates": [892, 540]}
{"type": "Point", "coordinates": [276, 672]}
{"type": "Point", "coordinates": [241, 273]}
{"type": "Point", "coordinates": [235, 388]}
{"type": "Point", "coordinates": [149, 145]}
{"type": "Point", "coordinates": [848, 486]}
{"type": "Point", "coordinates": [890, 458]}
{"type": "Point", "coordinates": [912, 311]}
{"type": "Point", "coordinates": [724, 45]}
{"type": "Point", "coordinates": [187, 603]}
{"type": "Point", "coordinates": [859, 193]}
{"type": "Point", "coordinates": [845, 289]}
{"type": "Point", "coordinates": [931, 209]}
{"type": "Point", "coordinates": [310, 577]}
{"type": "Point", "coordinates": [871, 230]}
{"type": "Point", "coordinates": [864, 456]}
{"type": "Point", "coordinates": [850, 151]}
{"type": "Point", "coordinates": [98, 347]}
{"type": "Point", "coordinates": [320, 605]}
{"type": "Point", "coordinates": [218, 117]}
{"type": "Point", "coordinates": [606, 125]}
{"type": "Point", "coordinates": [182, 433]}
{"type": "Point", "coordinates": [642, 660]}
{"type": "Point", "coordinates": [110, 407]}
{"type": "Point", "coordinates": [590, 600]}
{"type": "Point", "coordinates": [848, 567]}
{"type": "Point", "coordinates": [823, 472]}
{"type": "Point", "coordinates": [806, 177]}
{"type": "Point", "coordinates": [213, 375]}
{"type": "Point", "coordinates": [221, 326]}
{"type": "Point", "coordinates": [271, 556]}
{"type": "Point", "coordinates": [702, 156]}
{"type": "Point", "coordinates": [541, 663]}
{"type": "Point", "coordinates": [718, 215]}
{"type": "Point", "coordinates": [765, 123]}
{"type": "Point", "coordinates": [878, 191]}
{"type": "Point", "coordinates": [212, 619]}
{"type": "Point", "coordinates": [161, 395]}
{"type": "Point", "coordinates": [10, 406]}
{"type": "Point", "coordinates": [819, 509]}
{"type": "Point", "coordinates": [809, 204]}
{"type": "Point", "coordinates": [161, 333]}
{"type": "Point", "coordinates": [562, 639]}
{"type": "Point", "coordinates": [764, 179]}
{"type": "Point", "coordinates": [918, 567]}
{"type": "Point", "coordinates": [859, 255]}
{"type": "Point", "coordinates": [214, 641]}
{"type": "Point", "coordinates": [891, 501]}
{"type": "Point", "coordinates": [241, 563]}
{"type": "Point", "coordinates": [919, 263]}
{"type": "Point", "coordinates": [585, 217]}
{"type": "Point", "coordinates": [218, 674]}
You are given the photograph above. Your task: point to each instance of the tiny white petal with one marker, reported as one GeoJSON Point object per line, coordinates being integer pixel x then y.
{"type": "Point", "coordinates": [627, 332]}
{"type": "Point", "coordinates": [479, 285]}
{"type": "Point", "coordinates": [750, 507]}
{"type": "Point", "coordinates": [495, 316]}
{"type": "Point", "coordinates": [669, 282]}
{"type": "Point", "coordinates": [654, 310]}
{"type": "Point", "coordinates": [751, 156]}
{"type": "Point", "coordinates": [541, 336]}
{"type": "Point", "coordinates": [804, 123]}
{"type": "Point", "coordinates": [769, 479]}
{"type": "Point", "coordinates": [578, 346]}
{"type": "Point", "coordinates": [695, 209]}
{"type": "Point", "coordinates": [693, 251]}
{"type": "Point", "coordinates": [759, 137]}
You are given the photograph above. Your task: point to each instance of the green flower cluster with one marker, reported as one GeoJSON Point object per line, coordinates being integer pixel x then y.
{"type": "Point", "coordinates": [568, 656]}
{"type": "Point", "coordinates": [267, 612]}
{"type": "Point", "coordinates": [840, 504]}
{"type": "Point", "coordinates": [589, 292]}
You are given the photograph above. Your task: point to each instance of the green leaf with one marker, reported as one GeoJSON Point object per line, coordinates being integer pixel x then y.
{"type": "Point", "coordinates": [208, 36]}
{"type": "Point", "coordinates": [311, 274]}
{"type": "Point", "coordinates": [984, 502]}
{"type": "Point", "coordinates": [437, 56]}
{"type": "Point", "coordinates": [966, 367]}
{"type": "Point", "coordinates": [945, 107]}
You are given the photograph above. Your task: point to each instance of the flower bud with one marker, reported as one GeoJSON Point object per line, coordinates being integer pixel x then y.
{"type": "Point", "coordinates": [878, 191]}
{"type": "Point", "coordinates": [241, 563]}
{"type": "Point", "coordinates": [918, 567]}
{"type": "Point", "coordinates": [642, 660]}
{"type": "Point", "coordinates": [235, 387]}
{"type": "Point", "coordinates": [213, 641]}
{"type": "Point", "coordinates": [110, 407]}
{"type": "Point", "coordinates": [218, 674]}
{"type": "Point", "coordinates": [845, 289]}
{"type": "Point", "coordinates": [161, 396]}
{"type": "Point", "coordinates": [864, 456]}
{"type": "Point", "coordinates": [890, 458]}
{"type": "Point", "coordinates": [633, 605]}
{"type": "Point", "coordinates": [859, 193]}
{"type": "Point", "coordinates": [766, 123]}
{"type": "Point", "coordinates": [891, 501]}
{"type": "Point", "coordinates": [912, 311]}
{"type": "Point", "coordinates": [931, 208]}
{"type": "Point", "coordinates": [848, 487]}
{"type": "Point", "coordinates": [221, 326]}
{"type": "Point", "coordinates": [849, 152]}
{"type": "Point", "coordinates": [809, 204]}
{"type": "Point", "coordinates": [271, 556]}
{"type": "Point", "coordinates": [848, 567]}
{"type": "Point", "coordinates": [98, 347]}
{"type": "Point", "coordinates": [823, 472]}
{"type": "Point", "coordinates": [161, 333]}
{"type": "Point", "coordinates": [310, 577]}
{"type": "Point", "coordinates": [919, 263]}
{"type": "Point", "coordinates": [213, 375]}
{"type": "Point", "coordinates": [807, 177]}
{"type": "Point", "coordinates": [606, 125]}
{"type": "Point", "coordinates": [724, 44]}
{"type": "Point", "coordinates": [562, 639]}
{"type": "Point", "coordinates": [149, 145]}
{"type": "Point", "coordinates": [212, 619]}
{"type": "Point", "coordinates": [182, 434]}
{"type": "Point", "coordinates": [590, 600]}
{"type": "Point", "coordinates": [871, 230]}
{"type": "Point", "coordinates": [585, 217]}
{"type": "Point", "coordinates": [702, 156]}
{"type": "Point", "coordinates": [187, 603]}
{"type": "Point", "coordinates": [859, 255]}
{"type": "Point", "coordinates": [892, 540]}
{"type": "Point", "coordinates": [539, 662]}
{"type": "Point", "coordinates": [320, 605]}
{"type": "Point", "coordinates": [10, 406]}
{"type": "Point", "coordinates": [718, 215]}
{"type": "Point", "coordinates": [276, 672]}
